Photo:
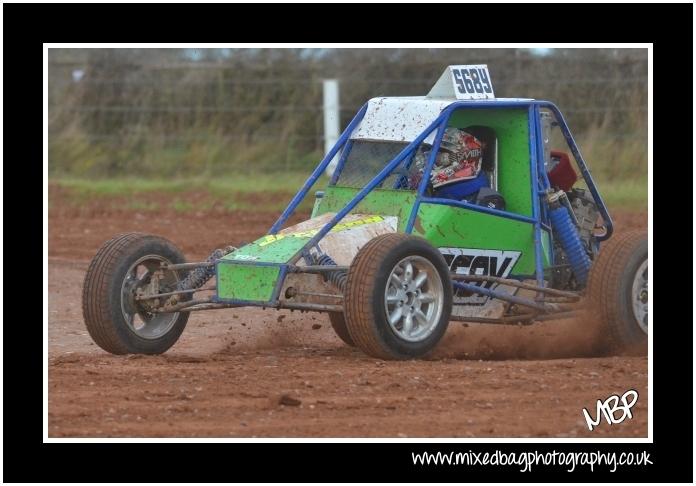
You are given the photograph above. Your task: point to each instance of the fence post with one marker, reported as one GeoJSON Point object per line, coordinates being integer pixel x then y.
{"type": "Point", "coordinates": [331, 120]}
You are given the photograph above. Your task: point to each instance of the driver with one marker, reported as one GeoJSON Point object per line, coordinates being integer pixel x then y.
{"type": "Point", "coordinates": [457, 173]}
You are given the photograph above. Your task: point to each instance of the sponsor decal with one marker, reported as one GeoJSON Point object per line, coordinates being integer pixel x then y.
{"type": "Point", "coordinates": [245, 257]}
{"type": "Point", "coordinates": [473, 261]}
{"type": "Point", "coordinates": [268, 239]}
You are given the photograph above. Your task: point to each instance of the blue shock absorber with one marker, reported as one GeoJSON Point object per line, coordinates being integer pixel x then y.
{"type": "Point", "coordinates": [565, 231]}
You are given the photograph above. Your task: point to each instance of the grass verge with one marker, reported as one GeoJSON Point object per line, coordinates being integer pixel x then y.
{"type": "Point", "coordinates": [261, 192]}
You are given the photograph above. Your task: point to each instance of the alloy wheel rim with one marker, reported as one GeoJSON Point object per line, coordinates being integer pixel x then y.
{"type": "Point", "coordinates": [413, 298]}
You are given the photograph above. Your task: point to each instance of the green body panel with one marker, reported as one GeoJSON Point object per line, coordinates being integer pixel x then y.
{"type": "Point", "coordinates": [384, 202]}
{"type": "Point", "coordinates": [244, 279]}
{"type": "Point", "coordinates": [511, 127]}
{"type": "Point", "coordinates": [248, 282]}
{"type": "Point", "coordinates": [269, 249]}
{"type": "Point", "coordinates": [447, 226]}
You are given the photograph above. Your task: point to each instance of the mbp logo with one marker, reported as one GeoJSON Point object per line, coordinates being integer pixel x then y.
{"type": "Point", "coordinates": [470, 261]}
{"type": "Point", "coordinates": [609, 407]}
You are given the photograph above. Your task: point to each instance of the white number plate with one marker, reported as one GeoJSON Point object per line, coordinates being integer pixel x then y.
{"type": "Point", "coordinates": [472, 82]}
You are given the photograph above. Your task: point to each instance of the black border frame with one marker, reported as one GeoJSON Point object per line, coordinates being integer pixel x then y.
{"type": "Point", "coordinates": [27, 26]}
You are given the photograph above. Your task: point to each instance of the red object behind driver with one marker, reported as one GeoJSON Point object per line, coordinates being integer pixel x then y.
{"type": "Point", "coordinates": [562, 176]}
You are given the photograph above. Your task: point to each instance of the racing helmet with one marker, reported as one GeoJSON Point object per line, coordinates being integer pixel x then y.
{"type": "Point", "coordinates": [459, 159]}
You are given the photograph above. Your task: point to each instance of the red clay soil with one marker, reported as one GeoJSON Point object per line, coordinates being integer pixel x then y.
{"type": "Point", "coordinates": [256, 373]}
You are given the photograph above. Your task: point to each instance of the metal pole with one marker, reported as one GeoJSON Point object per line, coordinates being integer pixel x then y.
{"type": "Point", "coordinates": [331, 120]}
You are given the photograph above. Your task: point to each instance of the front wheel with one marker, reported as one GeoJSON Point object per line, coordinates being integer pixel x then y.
{"type": "Point", "coordinates": [617, 292]}
{"type": "Point", "coordinates": [398, 297]}
{"type": "Point", "coordinates": [116, 320]}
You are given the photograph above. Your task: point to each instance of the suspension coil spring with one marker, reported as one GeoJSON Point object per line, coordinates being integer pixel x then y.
{"type": "Point", "coordinates": [199, 276]}
{"type": "Point", "coordinates": [566, 232]}
{"type": "Point", "coordinates": [337, 278]}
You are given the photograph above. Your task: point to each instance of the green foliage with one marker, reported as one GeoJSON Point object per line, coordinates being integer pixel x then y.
{"type": "Point", "coordinates": [248, 183]}
{"type": "Point", "coordinates": [627, 194]}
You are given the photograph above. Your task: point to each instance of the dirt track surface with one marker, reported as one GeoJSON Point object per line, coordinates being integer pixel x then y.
{"type": "Point", "coordinates": [255, 373]}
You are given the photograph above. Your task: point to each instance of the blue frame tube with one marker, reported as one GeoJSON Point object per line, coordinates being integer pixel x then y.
{"type": "Point", "coordinates": [447, 113]}
{"type": "Point", "coordinates": [378, 179]}
{"type": "Point", "coordinates": [533, 160]}
{"type": "Point", "coordinates": [543, 176]}
{"type": "Point", "coordinates": [584, 170]}
{"type": "Point", "coordinates": [543, 184]}
{"type": "Point", "coordinates": [480, 209]}
{"type": "Point", "coordinates": [317, 172]}
{"type": "Point", "coordinates": [498, 295]}
{"type": "Point", "coordinates": [426, 173]}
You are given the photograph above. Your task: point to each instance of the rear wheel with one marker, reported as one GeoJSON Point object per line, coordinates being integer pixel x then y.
{"type": "Point", "coordinates": [116, 320]}
{"type": "Point", "coordinates": [398, 297]}
{"type": "Point", "coordinates": [617, 293]}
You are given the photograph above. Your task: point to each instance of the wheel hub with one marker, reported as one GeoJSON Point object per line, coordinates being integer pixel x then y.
{"type": "Point", "coordinates": [414, 298]}
{"type": "Point", "coordinates": [137, 314]}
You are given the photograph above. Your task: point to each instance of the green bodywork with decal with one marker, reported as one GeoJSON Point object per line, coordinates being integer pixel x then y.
{"type": "Point", "coordinates": [248, 282]}
{"type": "Point", "coordinates": [447, 226]}
{"type": "Point", "coordinates": [281, 247]}
{"type": "Point", "coordinates": [269, 249]}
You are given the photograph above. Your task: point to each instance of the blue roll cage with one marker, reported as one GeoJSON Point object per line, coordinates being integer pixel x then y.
{"type": "Point", "coordinates": [540, 184]}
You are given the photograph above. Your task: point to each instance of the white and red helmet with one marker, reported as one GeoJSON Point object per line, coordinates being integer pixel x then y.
{"type": "Point", "coordinates": [459, 159]}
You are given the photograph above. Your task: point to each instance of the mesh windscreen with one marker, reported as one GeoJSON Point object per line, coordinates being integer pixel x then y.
{"type": "Point", "coordinates": [367, 158]}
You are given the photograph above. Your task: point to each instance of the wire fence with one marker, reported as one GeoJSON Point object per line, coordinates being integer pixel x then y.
{"type": "Point", "coordinates": [119, 112]}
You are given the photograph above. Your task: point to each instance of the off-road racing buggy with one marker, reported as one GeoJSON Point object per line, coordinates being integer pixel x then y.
{"type": "Point", "coordinates": [390, 261]}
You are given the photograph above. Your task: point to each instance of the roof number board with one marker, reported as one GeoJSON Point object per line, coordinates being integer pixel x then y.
{"type": "Point", "coordinates": [472, 82]}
